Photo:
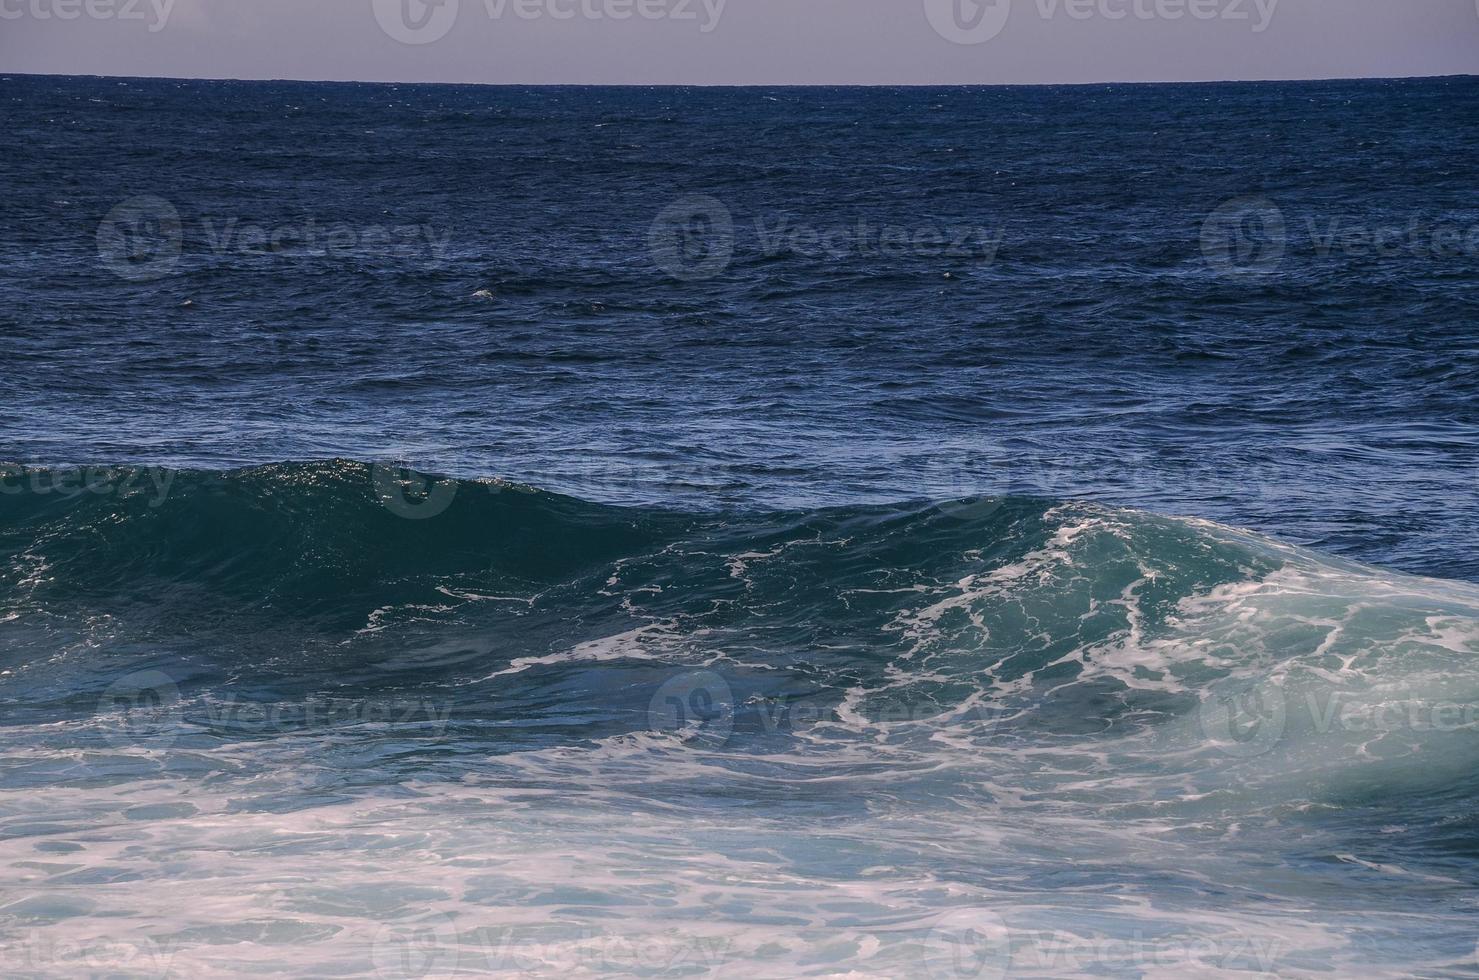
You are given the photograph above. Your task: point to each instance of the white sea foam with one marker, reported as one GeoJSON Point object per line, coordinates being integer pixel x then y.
{"type": "Point", "coordinates": [1077, 812]}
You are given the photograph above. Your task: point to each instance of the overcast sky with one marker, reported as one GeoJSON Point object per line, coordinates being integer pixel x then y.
{"type": "Point", "coordinates": [742, 41]}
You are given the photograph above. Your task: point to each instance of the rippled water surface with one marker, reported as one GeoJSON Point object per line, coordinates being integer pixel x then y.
{"type": "Point", "coordinates": [766, 532]}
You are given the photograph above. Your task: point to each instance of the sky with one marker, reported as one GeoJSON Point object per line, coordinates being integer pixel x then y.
{"type": "Point", "coordinates": [737, 42]}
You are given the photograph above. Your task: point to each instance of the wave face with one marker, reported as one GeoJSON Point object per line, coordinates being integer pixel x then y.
{"type": "Point", "coordinates": [712, 701]}
{"type": "Point", "coordinates": [1021, 736]}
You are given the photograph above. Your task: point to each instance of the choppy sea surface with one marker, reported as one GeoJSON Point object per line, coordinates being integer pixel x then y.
{"type": "Point", "coordinates": [741, 532]}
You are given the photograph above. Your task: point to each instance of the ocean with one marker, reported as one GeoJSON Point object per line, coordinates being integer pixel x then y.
{"type": "Point", "coordinates": [838, 532]}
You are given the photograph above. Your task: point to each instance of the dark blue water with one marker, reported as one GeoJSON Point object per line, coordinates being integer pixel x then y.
{"type": "Point", "coordinates": [1329, 400]}
{"type": "Point", "coordinates": [959, 532]}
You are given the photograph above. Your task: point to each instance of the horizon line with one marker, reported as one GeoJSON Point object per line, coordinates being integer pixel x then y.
{"type": "Point", "coordinates": [750, 85]}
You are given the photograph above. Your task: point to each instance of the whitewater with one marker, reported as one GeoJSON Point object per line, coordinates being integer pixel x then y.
{"type": "Point", "coordinates": [931, 532]}
{"type": "Point", "coordinates": [987, 737]}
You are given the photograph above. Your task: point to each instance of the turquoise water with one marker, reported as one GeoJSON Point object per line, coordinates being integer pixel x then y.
{"type": "Point", "coordinates": [459, 531]}
{"type": "Point", "coordinates": [274, 717]}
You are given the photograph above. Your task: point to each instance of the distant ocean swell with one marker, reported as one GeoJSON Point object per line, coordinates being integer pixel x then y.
{"type": "Point", "coordinates": [900, 674]}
